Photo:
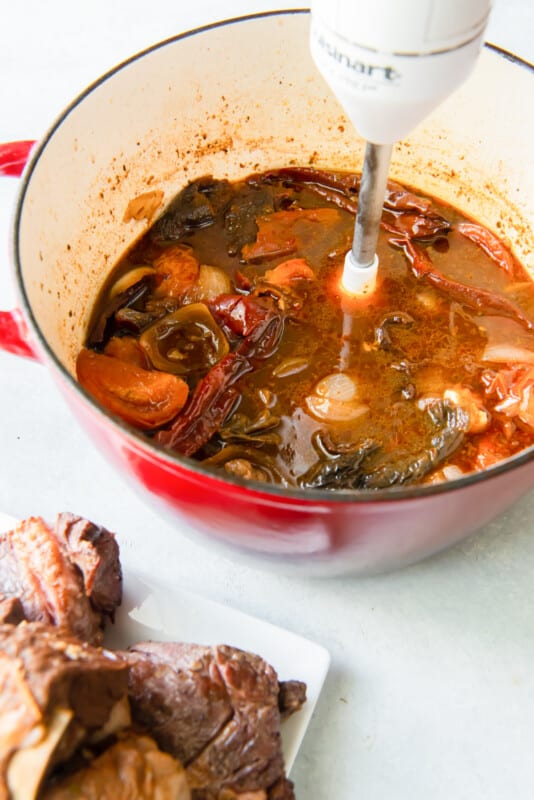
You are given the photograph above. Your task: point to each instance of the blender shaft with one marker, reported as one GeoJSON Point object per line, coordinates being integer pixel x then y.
{"type": "Point", "coordinates": [370, 202]}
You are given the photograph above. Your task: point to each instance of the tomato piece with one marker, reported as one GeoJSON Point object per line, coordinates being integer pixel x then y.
{"type": "Point", "coordinates": [126, 348]}
{"type": "Point", "coordinates": [514, 388]}
{"type": "Point", "coordinates": [177, 271]}
{"type": "Point", "coordinates": [491, 450]}
{"type": "Point", "coordinates": [142, 398]}
{"type": "Point", "coordinates": [291, 270]}
{"type": "Point", "coordinates": [275, 237]}
{"type": "Point", "coordinates": [284, 232]}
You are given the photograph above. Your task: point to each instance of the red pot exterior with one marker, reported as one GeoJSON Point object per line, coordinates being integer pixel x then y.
{"type": "Point", "coordinates": [322, 537]}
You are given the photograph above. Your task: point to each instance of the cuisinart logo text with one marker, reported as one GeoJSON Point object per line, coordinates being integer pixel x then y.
{"type": "Point", "coordinates": [375, 71]}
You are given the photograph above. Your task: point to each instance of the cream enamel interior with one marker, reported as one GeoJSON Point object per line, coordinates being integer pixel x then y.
{"type": "Point", "coordinates": [230, 100]}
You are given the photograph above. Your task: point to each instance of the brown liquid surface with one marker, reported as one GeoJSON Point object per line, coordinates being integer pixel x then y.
{"type": "Point", "coordinates": [440, 348]}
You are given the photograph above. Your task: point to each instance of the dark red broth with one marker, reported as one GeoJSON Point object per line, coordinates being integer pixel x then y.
{"type": "Point", "coordinates": [224, 336]}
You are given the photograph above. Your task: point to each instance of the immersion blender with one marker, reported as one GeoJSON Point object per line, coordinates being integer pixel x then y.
{"type": "Point", "coordinates": [389, 63]}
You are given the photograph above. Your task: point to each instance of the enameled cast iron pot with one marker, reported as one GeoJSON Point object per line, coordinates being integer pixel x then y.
{"type": "Point", "coordinates": [228, 100]}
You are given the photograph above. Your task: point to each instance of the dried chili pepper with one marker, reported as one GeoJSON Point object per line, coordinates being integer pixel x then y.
{"type": "Point", "coordinates": [210, 404]}
{"type": "Point", "coordinates": [489, 243]}
{"type": "Point", "coordinates": [472, 296]}
{"type": "Point", "coordinates": [260, 323]}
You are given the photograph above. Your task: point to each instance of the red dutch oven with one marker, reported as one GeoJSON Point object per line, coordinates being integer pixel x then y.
{"type": "Point", "coordinates": [213, 101]}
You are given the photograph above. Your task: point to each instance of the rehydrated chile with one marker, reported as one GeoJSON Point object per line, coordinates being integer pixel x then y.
{"type": "Point", "coordinates": [197, 206]}
{"type": "Point", "coordinates": [367, 465]}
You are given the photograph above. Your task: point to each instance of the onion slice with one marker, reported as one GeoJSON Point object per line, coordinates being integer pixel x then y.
{"type": "Point", "coordinates": [508, 342]}
{"type": "Point", "coordinates": [335, 399]}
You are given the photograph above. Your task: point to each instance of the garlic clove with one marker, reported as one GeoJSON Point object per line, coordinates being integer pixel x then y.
{"type": "Point", "coordinates": [129, 279]}
{"type": "Point", "coordinates": [337, 386]}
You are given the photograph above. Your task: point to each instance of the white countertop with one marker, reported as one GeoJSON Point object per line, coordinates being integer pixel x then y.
{"type": "Point", "coordinates": [431, 689]}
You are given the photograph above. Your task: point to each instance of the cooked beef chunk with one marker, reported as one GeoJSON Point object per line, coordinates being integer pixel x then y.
{"type": "Point", "coordinates": [291, 697]}
{"type": "Point", "coordinates": [133, 767]}
{"type": "Point", "coordinates": [282, 790]}
{"type": "Point", "coordinates": [69, 576]}
{"type": "Point", "coordinates": [57, 694]}
{"type": "Point", "coordinates": [35, 568]}
{"type": "Point", "coordinates": [95, 552]}
{"type": "Point", "coordinates": [215, 709]}
{"type": "Point", "coordinates": [178, 696]}
{"type": "Point", "coordinates": [11, 611]}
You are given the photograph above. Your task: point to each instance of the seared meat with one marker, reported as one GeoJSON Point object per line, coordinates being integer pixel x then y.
{"type": "Point", "coordinates": [282, 790]}
{"type": "Point", "coordinates": [11, 611]}
{"type": "Point", "coordinates": [134, 767]}
{"type": "Point", "coordinates": [95, 552]}
{"type": "Point", "coordinates": [69, 576]}
{"type": "Point", "coordinates": [35, 568]}
{"type": "Point", "coordinates": [214, 708]}
{"type": "Point", "coordinates": [57, 694]}
{"type": "Point", "coordinates": [291, 697]}
{"type": "Point", "coordinates": [178, 695]}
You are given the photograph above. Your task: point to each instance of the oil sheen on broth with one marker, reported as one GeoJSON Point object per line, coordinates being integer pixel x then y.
{"type": "Point", "coordinates": [224, 336]}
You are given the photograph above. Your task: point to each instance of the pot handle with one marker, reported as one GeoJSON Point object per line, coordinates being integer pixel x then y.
{"type": "Point", "coordinates": [13, 157]}
{"type": "Point", "coordinates": [14, 335]}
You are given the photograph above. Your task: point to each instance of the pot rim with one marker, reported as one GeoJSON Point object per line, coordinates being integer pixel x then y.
{"type": "Point", "coordinates": [135, 438]}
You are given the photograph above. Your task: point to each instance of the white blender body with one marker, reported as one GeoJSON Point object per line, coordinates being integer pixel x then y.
{"type": "Point", "coordinates": [390, 62]}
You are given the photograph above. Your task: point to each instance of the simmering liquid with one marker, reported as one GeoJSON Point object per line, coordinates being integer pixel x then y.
{"type": "Point", "coordinates": [224, 336]}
